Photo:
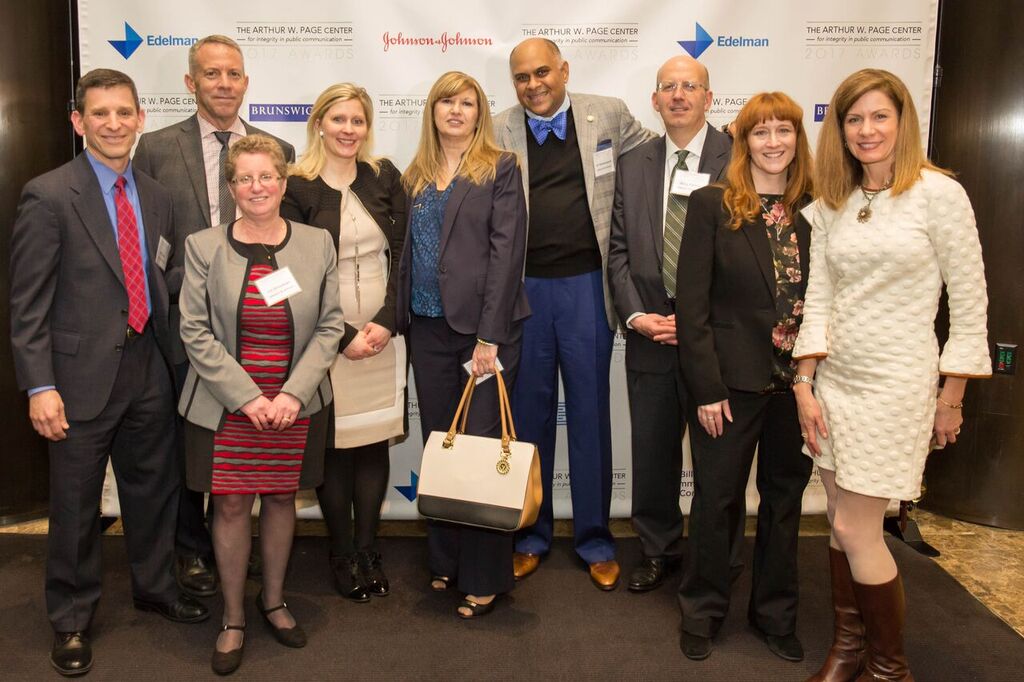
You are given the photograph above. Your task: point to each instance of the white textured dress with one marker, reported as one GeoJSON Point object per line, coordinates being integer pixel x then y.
{"type": "Point", "coordinates": [872, 297]}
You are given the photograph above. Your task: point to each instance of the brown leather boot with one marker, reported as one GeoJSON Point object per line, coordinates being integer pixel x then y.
{"type": "Point", "coordinates": [883, 609]}
{"type": "Point", "coordinates": [846, 657]}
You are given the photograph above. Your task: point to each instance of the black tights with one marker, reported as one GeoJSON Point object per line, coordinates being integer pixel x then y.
{"type": "Point", "coordinates": [354, 477]}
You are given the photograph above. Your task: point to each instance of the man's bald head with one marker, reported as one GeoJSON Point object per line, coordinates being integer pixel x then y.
{"type": "Point", "coordinates": [685, 62]}
{"type": "Point", "coordinates": [539, 74]}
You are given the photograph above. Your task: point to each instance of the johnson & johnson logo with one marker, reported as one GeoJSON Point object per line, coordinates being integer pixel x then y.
{"type": "Point", "coordinates": [444, 41]}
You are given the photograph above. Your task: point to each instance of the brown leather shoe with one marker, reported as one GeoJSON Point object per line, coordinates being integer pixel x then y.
{"type": "Point", "coordinates": [605, 574]}
{"type": "Point", "coordinates": [883, 608]}
{"type": "Point", "coordinates": [524, 564]}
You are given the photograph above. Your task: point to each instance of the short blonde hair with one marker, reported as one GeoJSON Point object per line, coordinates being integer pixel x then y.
{"type": "Point", "coordinates": [256, 144]}
{"type": "Point", "coordinates": [215, 39]}
{"type": "Point", "coordinates": [315, 156]}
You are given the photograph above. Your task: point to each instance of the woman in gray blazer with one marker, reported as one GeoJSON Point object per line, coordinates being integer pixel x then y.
{"type": "Point", "coordinates": [261, 322]}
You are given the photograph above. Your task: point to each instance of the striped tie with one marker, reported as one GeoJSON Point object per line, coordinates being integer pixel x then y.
{"type": "Point", "coordinates": [227, 202]}
{"type": "Point", "coordinates": [675, 217]}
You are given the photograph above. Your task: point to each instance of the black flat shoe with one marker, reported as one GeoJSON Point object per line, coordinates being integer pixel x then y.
{"type": "Point", "coordinates": [227, 662]}
{"type": "Point", "coordinates": [195, 576]}
{"type": "Point", "coordinates": [294, 637]}
{"type": "Point", "coordinates": [476, 610]}
{"type": "Point", "coordinates": [694, 647]}
{"type": "Point", "coordinates": [184, 609]}
{"type": "Point", "coordinates": [373, 575]}
{"type": "Point", "coordinates": [71, 654]}
{"type": "Point", "coordinates": [347, 578]}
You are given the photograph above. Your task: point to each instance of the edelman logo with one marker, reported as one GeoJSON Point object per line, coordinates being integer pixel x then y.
{"type": "Point", "coordinates": [288, 113]}
{"type": "Point", "coordinates": [819, 112]}
{"type": "Point", "coordinates": [132, 41]}
{"type": "Point", "coordinates": [703, 40]}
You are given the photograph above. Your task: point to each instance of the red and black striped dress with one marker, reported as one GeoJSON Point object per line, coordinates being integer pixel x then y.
{"type": "Point", "coordinates": [245, 460]}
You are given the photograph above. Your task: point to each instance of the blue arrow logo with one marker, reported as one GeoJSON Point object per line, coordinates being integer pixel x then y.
{"type": "Point", "coordinates": [126, 48]}
{"type": "Point", "coordinates": [697, 46]}
{"type": "Point", "coordinates": [409, 491]}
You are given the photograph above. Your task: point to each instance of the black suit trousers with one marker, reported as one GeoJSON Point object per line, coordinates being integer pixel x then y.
{"type": "Point", "coordinates": [192, 537]}
{"type": "Point", "coordinates": [721, 467]}
{"type": "Point", "coordinates": [479, 560]}
{"type": "Point", "coordinates": [136, 428]}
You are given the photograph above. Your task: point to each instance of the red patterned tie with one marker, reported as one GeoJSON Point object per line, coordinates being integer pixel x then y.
{"type": "Point", "coordinates": [131, 258]}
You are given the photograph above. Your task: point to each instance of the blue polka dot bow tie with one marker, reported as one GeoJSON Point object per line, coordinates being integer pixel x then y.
{"type": "Point", "coordinates": [540, 128]}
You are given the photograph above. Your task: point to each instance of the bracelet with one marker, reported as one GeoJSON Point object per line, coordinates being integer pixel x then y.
{"type": "Point", "coordinates": [950, 405]}
{"type": "Point", "coordinates": [802, 379]}
{"type": "Point", "coordinates": [484, 343]}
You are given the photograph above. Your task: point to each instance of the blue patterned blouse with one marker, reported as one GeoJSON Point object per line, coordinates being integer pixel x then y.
{"type": "Point", "coordinates": [427, 219]}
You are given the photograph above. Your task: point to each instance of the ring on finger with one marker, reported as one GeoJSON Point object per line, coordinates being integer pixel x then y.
{"type": "Point", "coordinates": [957, 432]}
{"type": "Point", "coordinates": [804, 436]}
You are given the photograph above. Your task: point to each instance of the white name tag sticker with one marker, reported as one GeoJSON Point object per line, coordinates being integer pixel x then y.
{"type": "Point", "coordinates": [604, 159]}
{"type": "Point", "coordinates": [685, 182]}
{"type": "Point", "coordinates": [469, 370]}
{"type": "Point", "coordinates": [277, 286]}
{"type": "Point", "coordinates": [163, 252]}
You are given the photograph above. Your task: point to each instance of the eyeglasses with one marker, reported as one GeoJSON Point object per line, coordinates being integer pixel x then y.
{"type": "Point", "coordinates": [672, 86]}
{"type": "Point", "coordinates": [263, 179]}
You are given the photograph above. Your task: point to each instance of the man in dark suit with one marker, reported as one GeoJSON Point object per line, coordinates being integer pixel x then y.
{"type": "Point", "coordinates": [567, 144]}
{"type": "Point", "coordinates": [651, 187]}
{"type": "Point", "coordinates": [187, 159]}
{"type": "Point", "coordinates": [89, 252]}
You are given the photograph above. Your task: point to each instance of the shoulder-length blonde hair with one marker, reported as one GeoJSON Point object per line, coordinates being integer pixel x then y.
{"type": "Point", "coordinates": [479, 163]}
{"type": "Point", "coordinates": [740, 197]}
{"type": "Point", "coordinates": [314, 158]}
{"type": "Point", "coordinates": [839, 172]}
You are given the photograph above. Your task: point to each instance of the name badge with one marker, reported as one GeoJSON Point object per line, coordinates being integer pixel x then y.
{"type": "Point", "coordinates": [163, 252]}
{"type": "Point", "coordinates": [277, 286]}
{"type": "Point", "coordinates": [604, 159]}
{"type": "Point", "coordinates": [685, 182]}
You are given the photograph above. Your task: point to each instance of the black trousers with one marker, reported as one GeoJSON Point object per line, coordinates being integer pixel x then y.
{"type": "Point", "coordinates": [479, 560]}
{"type": "Point", "coordinates": [136, 428]}
{"type": "Point", "coordinates": [657, 412]}
{"type": "Point", "coordinates": [721, 467]}
{"type": "Point", "coordinates": [192, 537]}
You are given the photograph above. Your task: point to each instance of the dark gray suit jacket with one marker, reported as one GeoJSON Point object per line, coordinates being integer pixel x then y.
{"type": "Point", "coordinates": [69, 305]}
{"type": "Point", "coordinates": [173, 156]}
{"type": "Point", "coordinates": [482, 251]}
{"type": "Point", "coordinates": [635, 246]}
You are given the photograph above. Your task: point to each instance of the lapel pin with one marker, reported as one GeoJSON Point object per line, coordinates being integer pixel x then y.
{"type": "Point", "coordinates": [590, 118]}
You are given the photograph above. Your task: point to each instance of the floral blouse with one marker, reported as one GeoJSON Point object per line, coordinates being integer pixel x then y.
{"type": "Point", "coordinates": [789, 305]}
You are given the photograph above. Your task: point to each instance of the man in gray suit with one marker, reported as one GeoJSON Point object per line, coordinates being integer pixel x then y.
{"type": "Point", "coordinates": [650, 193]}
{"type": "Point", "coordinates": [187, 159]}
{"type": "Point", "coordinates": [568, 145]}
{"type": "Point", "coordinates": [90, 250]}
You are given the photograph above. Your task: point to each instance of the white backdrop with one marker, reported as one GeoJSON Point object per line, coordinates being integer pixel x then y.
{"type": "Point", "coordinates": [396, 50]}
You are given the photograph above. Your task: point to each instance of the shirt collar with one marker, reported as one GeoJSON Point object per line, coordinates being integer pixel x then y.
{"type": "Point", "coordinates": [694, 146]}
{"type": "Point", "coordinates": [207, 129]}
{"type": "Point", "coordinates": [107, 176]}
{"type": "Point", "coordinates": [564, 107]}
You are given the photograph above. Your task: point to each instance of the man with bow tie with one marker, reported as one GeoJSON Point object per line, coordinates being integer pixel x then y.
{"type": "Point", "coordinates": [568, 145]}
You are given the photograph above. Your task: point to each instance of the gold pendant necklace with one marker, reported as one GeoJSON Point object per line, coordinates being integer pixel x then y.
{"type": "Point", "coordinates": [864, 214]}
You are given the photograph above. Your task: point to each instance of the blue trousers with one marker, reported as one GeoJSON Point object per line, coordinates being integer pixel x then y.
{"type": "Point", "coordinates": [568, 333]}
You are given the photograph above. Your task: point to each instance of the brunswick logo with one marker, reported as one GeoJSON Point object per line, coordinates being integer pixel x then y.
{"type": "Point", "coordinates": [703, 40]}
{"type": "Point", "coordinates": [126, 48]}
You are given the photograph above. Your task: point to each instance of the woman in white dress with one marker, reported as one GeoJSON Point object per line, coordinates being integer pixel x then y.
{"type": "Point", "coordinates": [889, 229]}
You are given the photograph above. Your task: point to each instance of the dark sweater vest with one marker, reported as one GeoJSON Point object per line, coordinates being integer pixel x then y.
{"type": "Point", "coordinates": [561, 241]}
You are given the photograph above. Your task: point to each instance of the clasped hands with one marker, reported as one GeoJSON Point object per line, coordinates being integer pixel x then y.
{"type": "Point", "coordinates": [658, 328]}
{"type": "Point", "coordinates": [370, 340]}
{"type": "Point", "coordinates": [276, 415]}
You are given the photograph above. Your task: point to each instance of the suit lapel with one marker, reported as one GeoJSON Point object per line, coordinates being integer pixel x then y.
{"type": "Point", "coordinates": [516, 126]}
{"type": "Point", "coordinates": [451, 210]}
{"type": "Point", "coordinates": [150, 221]}
{"type": "Point", "coordinates": [715, 154]}
{"type": "Point", "coordinates": [191, 147]}
{"type": "Point", "coordinates": [92, 211]}
{"type": "Point", "coordinates": [585, 139]}
{"type": "Point", "coordinates": [758, 240]}
{"type": "Point", "coordinates": [654, 181]}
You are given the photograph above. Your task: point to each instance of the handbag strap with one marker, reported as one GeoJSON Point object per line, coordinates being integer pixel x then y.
{"type": "Point", "coordinates": [449, 438]}
{"type": "Point", "coordinates": [508, 433]}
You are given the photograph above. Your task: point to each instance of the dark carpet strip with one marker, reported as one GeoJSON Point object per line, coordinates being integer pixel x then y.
{"type": "Point", "coordinates": [554, 626]}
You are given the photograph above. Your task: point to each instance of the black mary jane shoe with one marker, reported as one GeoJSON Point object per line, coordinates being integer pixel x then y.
{"type": "Point", "coordinates": [476, 609]}
{"type": "Point", "coordinates": [294, 637]}
{"type": "Point", "coordinates": [348, 579]}
{"type": "Point", "coordinates": [373, 574]}
{"type": "Point", "coordinates": [71, 654]}
{"type": "Point", "coordinates": [227, 662]}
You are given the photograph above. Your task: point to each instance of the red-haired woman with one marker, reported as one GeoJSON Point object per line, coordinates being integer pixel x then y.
{"type": "Point", "coordinates": [739, 299]}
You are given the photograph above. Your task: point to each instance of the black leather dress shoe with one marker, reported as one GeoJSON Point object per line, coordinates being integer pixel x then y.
{"type": "Point", "coordinates": [71, 654]}
{"type": "Point", "coordinates": [694, 647]}
{"type": "Point", "coordinates": [786, 647]}
{"type": "Point", "coordinates": [347, 579]}
{"type": "Point", "coordinates": [184, 609]}
{"type": "Point", "coordinates": [196, 576]}
{"type": "Point", "coordinates": [650, 574]}
{"type": "Point", "coordinates": [373, 574]}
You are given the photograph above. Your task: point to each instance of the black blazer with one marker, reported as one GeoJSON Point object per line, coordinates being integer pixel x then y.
{"type": "Point", "coordinates": [725, 299]}
{"type": "Point", "coordinates": [316, 203]}
{"type": "Point", "coordinates": [637, 239]}
{"type": "Point", "coordinates": [69, 306]}
{"type": "Point", "coordinates": [482, 254]}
